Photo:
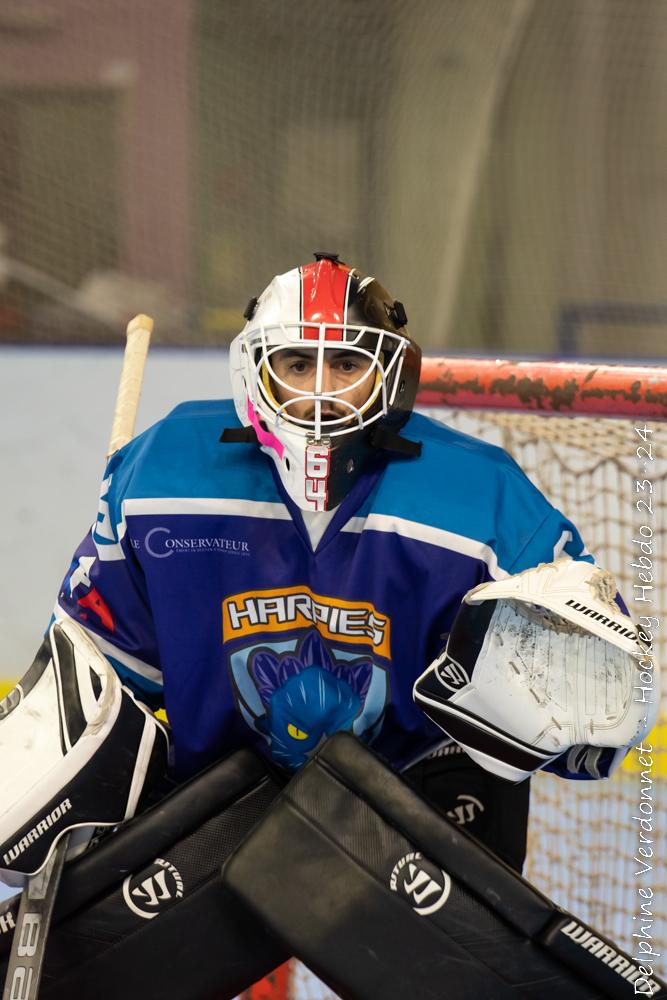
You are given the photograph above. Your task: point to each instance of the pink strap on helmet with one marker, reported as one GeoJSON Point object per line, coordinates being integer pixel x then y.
{"type": "Point", "coordinates": [264, 437]}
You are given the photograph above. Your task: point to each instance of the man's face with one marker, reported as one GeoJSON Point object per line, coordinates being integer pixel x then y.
{"type": "Point", "coordinates": [340, 369]}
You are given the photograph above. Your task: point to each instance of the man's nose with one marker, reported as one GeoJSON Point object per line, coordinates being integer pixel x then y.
{"type": "Point", "coordinates": [328, 378]}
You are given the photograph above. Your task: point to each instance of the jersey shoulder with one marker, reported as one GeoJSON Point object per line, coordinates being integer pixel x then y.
{"type": "Point", "coordinates": [182, 456]}
{"type": "Point", "coordinates": [459, 483]}
{"type": "Point", "coordinates": [449, 456]}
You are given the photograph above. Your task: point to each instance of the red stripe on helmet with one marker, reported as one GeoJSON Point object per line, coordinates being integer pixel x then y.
{"type": "Point", "coordinates": [324, 297]}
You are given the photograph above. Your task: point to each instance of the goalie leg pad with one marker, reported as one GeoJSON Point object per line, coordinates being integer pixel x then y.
{"type": "Point", "coordinates": [144, 914]}
{"type": "Point", "coordinates": [75, 750]}
{"type": "Point", "coordinates": [382, 897]}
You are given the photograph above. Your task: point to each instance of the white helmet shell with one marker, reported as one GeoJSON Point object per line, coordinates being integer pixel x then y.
{"type": "Point", "coordinates": [322, 308]}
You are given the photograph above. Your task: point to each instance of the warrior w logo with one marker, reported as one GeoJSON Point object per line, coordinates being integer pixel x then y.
{"type": "Point", "coordinates": [466, 811]}
{"type": "Point", "coordinates": [154, 889]}
{"type": "Point", "coordinates": [451, 674]}
{"type": "Point", "coordinates": [426, 885]}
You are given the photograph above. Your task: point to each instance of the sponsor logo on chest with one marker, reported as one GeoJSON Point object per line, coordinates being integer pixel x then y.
{"type": "Point", "coordinates": [161, 543]}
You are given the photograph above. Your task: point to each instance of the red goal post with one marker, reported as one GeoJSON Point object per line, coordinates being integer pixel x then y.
{"type": "Point", "coordinates": [561, 387]}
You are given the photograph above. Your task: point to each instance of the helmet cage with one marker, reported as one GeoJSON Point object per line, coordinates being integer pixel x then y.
{"type": "Point", "coordinates": [261, 343]}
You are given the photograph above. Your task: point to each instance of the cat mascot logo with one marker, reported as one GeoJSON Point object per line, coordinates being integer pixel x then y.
{"type": "Point", "coordinates": [297, 692]}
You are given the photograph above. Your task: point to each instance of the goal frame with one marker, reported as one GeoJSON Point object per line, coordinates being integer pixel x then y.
{"type": "Point", "coordinates": [559, 387]}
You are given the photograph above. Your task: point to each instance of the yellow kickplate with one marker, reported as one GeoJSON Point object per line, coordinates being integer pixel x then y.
{"type": "Point", "coordinates": [5, 686]}
{"type": "Point", "coordinates": [657, 754]}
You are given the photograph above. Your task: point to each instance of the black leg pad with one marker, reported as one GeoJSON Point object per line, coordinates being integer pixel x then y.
{"type": "Point", "coordinates": [144, 915]}
{"type": "Point", "coordinates": [381, 896]}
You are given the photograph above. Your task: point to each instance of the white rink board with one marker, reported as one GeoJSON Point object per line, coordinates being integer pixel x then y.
{"type": "Point", "coordinates": [56, 406]}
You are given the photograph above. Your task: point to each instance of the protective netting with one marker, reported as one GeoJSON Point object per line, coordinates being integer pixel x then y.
{"type": "Point", "coordinates": [583, 841]}
{"type": "Point", "coordinates": [498, 165]}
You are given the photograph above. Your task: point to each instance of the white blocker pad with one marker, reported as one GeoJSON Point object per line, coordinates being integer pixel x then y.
{"type": "Point", "coordinates": [537, 665]}
{"type": "Point", "coordinates": [75, 752]}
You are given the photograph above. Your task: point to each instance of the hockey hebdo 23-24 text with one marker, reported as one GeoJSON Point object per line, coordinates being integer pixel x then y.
{"type": "Point", "coordinates": [644, 818]}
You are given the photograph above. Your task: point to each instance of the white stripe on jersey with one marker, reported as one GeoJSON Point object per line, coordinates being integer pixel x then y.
{"type": "Point", "coordinates": [109, 551]}
{"type": "Point", "coordinates": [278, 511]}
{"type": "Point", "coordinates": [559, 547]}
{"type": "Point", "coordinates": [206, 505]}
{"type": "Point", "coordinates": [355, 524]}
{"type": "Point", "coordinates": [434, 536]}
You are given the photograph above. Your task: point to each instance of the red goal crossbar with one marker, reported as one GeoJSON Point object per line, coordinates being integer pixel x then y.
{"type": "Point", "coordinates": [562, 387]}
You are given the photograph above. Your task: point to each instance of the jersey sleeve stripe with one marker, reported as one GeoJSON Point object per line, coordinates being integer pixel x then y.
{"type": "Point", "coordinates": [437, 536]}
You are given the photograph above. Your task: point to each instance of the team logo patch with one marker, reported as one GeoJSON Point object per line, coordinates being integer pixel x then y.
{"type": "Point", "coordinates": [154, 889]}
{"type": "Point", "coordinates": [263, 611]}
{"type": "Point", "coordinates": [297, 692]}
{"type": "Point", "coordinates": [426, 886]}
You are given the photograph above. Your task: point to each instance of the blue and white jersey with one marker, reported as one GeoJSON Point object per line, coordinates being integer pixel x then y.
{"type": "Point", "coordinates": [199, 582]}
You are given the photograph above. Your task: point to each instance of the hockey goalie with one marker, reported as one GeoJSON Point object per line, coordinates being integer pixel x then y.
{"type": "Point", "coordinates": [274, 570]}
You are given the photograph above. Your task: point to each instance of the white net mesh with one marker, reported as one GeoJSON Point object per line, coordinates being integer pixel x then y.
{"type": "Point", "coordinates": [498, 165]}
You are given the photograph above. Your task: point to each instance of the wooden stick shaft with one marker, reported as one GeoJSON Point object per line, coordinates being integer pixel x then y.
{"type": "Point", "coordinates": [139, 332]}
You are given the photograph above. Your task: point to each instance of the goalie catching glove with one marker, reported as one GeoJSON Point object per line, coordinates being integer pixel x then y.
{"type": "Point", "coordinates": [540, 666]}
{"type": "Point", "coordinates": [76, 752]}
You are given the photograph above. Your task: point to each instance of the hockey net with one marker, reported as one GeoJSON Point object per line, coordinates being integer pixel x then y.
{"type": "Point", "coordinates": [586, 435]}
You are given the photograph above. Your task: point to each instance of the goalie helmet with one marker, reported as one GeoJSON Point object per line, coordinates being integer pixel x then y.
{"type": "Point", "coordinates": [321, 433]}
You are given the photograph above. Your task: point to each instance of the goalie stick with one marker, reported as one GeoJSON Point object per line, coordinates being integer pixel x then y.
{"type": "Point", "coordinates": [139, 332]}
{"type": "Point", "coordinates": [32, 925]}
{"type": "Point", "coordinates": [39, 894]}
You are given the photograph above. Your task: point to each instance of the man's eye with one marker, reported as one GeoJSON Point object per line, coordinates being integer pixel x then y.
{"type": "Point", "coordinates": [349, 366]}
{"type": "Point", "coordinates": [298, 367]}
